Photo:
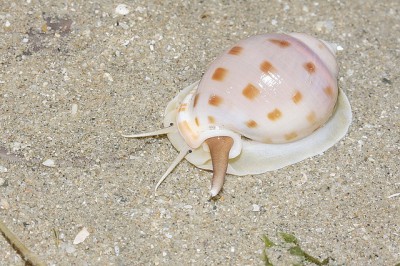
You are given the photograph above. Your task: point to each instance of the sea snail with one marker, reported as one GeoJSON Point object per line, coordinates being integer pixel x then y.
{"type": "Point", "coordinates": [269, 101]}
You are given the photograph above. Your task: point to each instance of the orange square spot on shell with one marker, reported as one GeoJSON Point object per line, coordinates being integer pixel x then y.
{"type": "Point", "coordinates": [195, 100]}
{"type": "Point", "coordinates": [275, 114]}
{"type": "Point", "coordinates": [183, 107]}
{"type": "Point", "coordinates": [184, 127]}
{"type": "Point", "coordinates": [214, 100]}
{"type": "Point", "coordinates": [328, 91]}
{"type": "Point", "coordinates": [297, 97]}
{"type": "Point", "coordinates": [309, 67]}
{"type": "Point", "coordinates": [267, 67]}
{"type": "Point", "coordinates": [236, 50]}
{"type": "Point", "coordinates": [311, 117]}
{"type": "Point", "coordinates": [211, 119]}
{"type": "Point", "coordinates": [280, 43]}
{"type": "Point", "coordinates": [267, 140]}
{"type": "Point", "coordinates": [291, 136]}
{"type": "Point", "coordinates": [251, 124]}
{"type": "Point", "coordinates": [250, 91]}
{"type": "Point", "coordinates": [219, 74]}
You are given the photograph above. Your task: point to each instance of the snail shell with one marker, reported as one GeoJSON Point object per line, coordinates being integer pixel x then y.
{"type": "Point", "coordinates": [267, 102]}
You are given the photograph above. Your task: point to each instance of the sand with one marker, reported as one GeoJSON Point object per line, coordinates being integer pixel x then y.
{"type": "Point", "coordinates": [74, 75]}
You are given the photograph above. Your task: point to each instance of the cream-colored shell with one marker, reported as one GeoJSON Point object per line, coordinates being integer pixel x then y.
{"type": "Point", "coordinates": [271, 88]}
{"type": "Point", "coordinates": [269, 93]}
{"type": "Point", "coordinates": [256, 157]}
{"type": "Point", "coordinates": [275, 95]}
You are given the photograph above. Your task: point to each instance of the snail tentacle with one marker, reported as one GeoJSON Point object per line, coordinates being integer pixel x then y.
{"type": "Point", "coordinates": [177, 160]}
{"type": "Point", "coordinates": [163, 131]}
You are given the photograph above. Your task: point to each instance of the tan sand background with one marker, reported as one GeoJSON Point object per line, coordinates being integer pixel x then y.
{"type": "Point", "coordinates": [120, 71]}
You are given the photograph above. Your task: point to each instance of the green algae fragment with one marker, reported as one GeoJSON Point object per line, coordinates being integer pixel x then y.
{"type": "Point", "coordinates": [291, 244]}
{"type": "Point", "coordinates": [267, 242]}
{"type": "Point", "coordinates": [288, 238]}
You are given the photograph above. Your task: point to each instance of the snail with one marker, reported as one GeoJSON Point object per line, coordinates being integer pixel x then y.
{"type": "Point", "coordinates": [269, 101]}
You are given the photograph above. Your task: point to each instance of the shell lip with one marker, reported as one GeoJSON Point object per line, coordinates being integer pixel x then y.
{"type": "Point", "coordinates": [195, 136]}
{"type": "Point", "coordinates": [221, 132]}
{"type": "Point", "coordinates": [257, 158]}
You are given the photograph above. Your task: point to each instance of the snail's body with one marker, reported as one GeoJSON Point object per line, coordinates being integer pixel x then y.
{"type": "Point", "coordinates": [271, 96]}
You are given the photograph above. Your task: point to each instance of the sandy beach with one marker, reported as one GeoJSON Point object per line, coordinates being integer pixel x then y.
{"type": "Point", "coordinates": [75, 75]}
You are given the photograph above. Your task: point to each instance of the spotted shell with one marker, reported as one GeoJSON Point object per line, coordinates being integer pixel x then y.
{"type": "Point", "coordinates": [271, 89]}
{"type": "Point", "coordinates": [275, 95]}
